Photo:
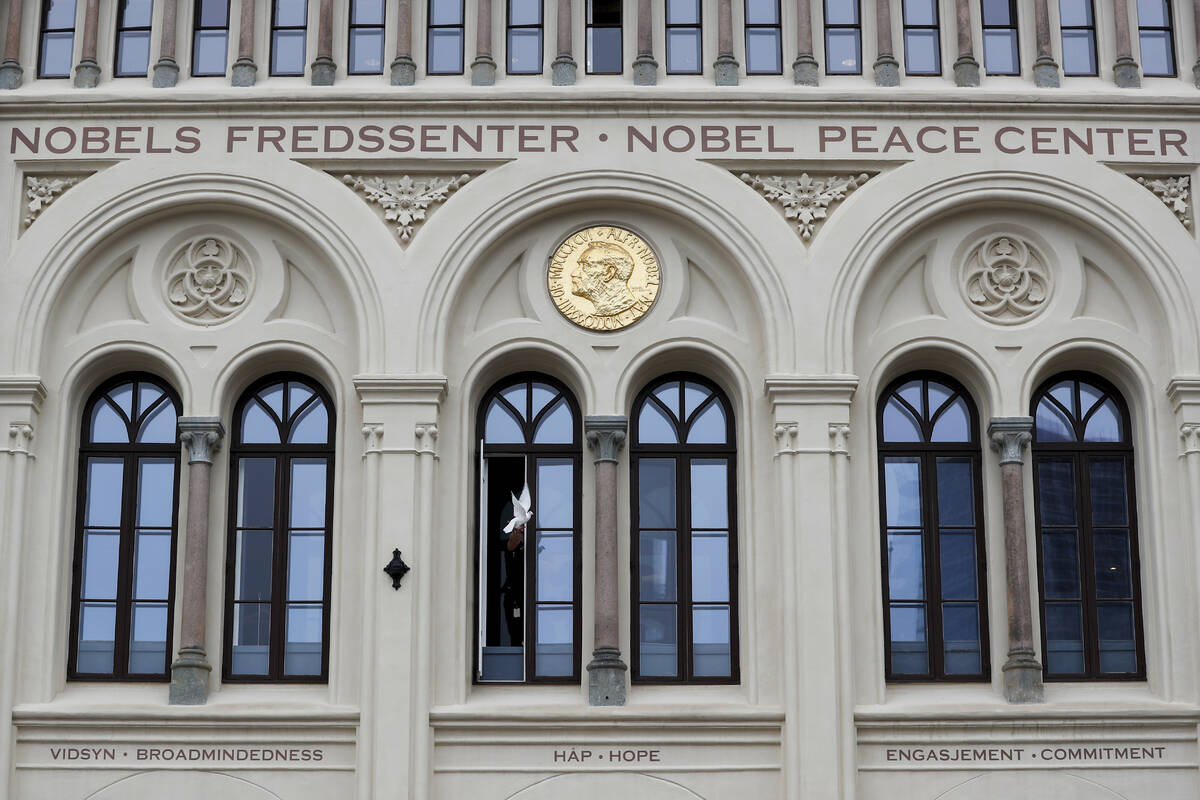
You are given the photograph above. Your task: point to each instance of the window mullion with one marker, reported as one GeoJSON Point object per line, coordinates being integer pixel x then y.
{"type": "Point", "coordinates": [933, 583]}
{"type": "Point", "coordinates": [1087, 566]}
{"type": "Point", "coordinates": [125, 567]}
{"type": "Point", "coordinates": [683, 568]}
{"type": "Point", "coordinates": [279, 565]}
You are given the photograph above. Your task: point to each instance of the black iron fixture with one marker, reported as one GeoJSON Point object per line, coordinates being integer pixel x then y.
{"type": "Point", "coordinates": [396, 568]}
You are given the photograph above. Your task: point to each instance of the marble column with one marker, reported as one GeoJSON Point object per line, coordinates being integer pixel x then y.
{"type": "Point", "coordinates": [1022, 672]}
{"type": "Point", "coordinates": [726, 66]}
{"type": "Point", "coordinates": [966, 68]}
{"type": "Point", "coordinates": [13, 495]}
{"type": "Point", "coordinates": [887, 69]}
{"type": "Point", "coordinates": [189, 674]}
{"type": "Point", "coordinates": [1126, 73]}
{"type": "Point", "coordinates": [606, 672]}
{"type": "Point", "coordinates": [805, 68]}
{"type": "Point", "coordinates": [563, 69]}
{"type": "Point", "coordinates": [404, 69]}
{"type": "Point", "coordinates": [10, 67]}
{"type": "Point", "coordinates": [245, 71]}
{"type": "Point", "coordinates": [323, 68]}
{"type": "Point", "coordinates": [87, 71]}
{"type": "Point", "coordinates": [483, 68]}
{"type": "Point", "coordinates": [1196, 26]}
{"type": "Point", "coordinates": [645, 68]}
{"type": "Point", "coordinates": [1045, 68]}
{"type": "Point", "coordinates": [166, 70]}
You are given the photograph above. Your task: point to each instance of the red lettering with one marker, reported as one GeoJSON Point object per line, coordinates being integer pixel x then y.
{"type": "Point", "coordinates": [459, 133]}
{"type": "Point", "coordinates": [94, 140]}
{"type": "Point", "coordinates": [1139, 136]}
{"type": "Point", "coordinates": [858, 139]}
{"type": "Point", "coordinates": [526, 135]}
{"type": "Point", "coordinates": [1000, 140]}
{"type": "Point", "coordinates": [714, 138]}
{"type": "Point", "coordinates": [31, 146]}
{"type": "Point", "coordinates": [743, 136]}
{"type": "Point", "coordinates": [928, 148]}
{"type": "Point", "coordinates": [70, 145]}
{"type": "Point", "coordinates": [125, 142]}
{"type": "Point", "coordinates": [302, 138]}
{"type": "Point", "coordinates": [1110, 134]}
{"type": "Point", "coordinates": [1071, 137]}
{"type": "Point", "coordinates": [347, 134]}
{"type": "Point", "coordinates": [1041, 140]}
{"type": "Point", "coordinates": [500, 129]}
{"type": "Point", "coordinates": [401, 134]}
{"type": "Point", "coordinates": [564, 135]}
{"type": "Point", "coordinates": [1171, 137]}
{"type": "Point", "coordinates": [150, 148]}
{"type": "Point", "coordinates": [896, 139]}
{"type": "Point", "coordinates": [233, 134]}
{"type": "Point", "coordinates": [371, 138]}
{"type": "Point", "coordinates": [771, 148]}
{"type": "Point", "coordinates": [689, 138]}
{"type": "Point", "coordinates": [271, 134]}
{"type": "Point", "coordinates": [963, 137]}
{"type": "Point", "coordinates": [650, 144]}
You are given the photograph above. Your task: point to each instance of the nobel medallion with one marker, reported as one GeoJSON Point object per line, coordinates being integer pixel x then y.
{"type": "Point", "coordinates": [603, 278]}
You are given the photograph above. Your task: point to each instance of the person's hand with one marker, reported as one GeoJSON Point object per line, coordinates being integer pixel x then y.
{"type": "Point", "coordinates": [516, 537]}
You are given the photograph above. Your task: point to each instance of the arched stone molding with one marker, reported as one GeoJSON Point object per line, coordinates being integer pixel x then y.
{"type": "Point", "coordinates": [282, 355]}
{"type": "Point", "coordinates": [954, 358]}
{"type": "Point", "coordinates": [703, 357]}
{"type": "Point", "coordinates": [528, 355]}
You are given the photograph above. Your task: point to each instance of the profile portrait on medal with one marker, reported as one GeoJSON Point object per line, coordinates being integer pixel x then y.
{"type": "Point", "coordinates": [604, 277]}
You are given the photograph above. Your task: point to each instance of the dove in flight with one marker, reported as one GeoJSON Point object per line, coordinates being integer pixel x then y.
{"type": "Point", "coordinates": [522, 512]}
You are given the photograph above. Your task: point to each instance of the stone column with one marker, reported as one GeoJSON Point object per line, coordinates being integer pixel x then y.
{"type": "Point", "coordinates": [483, 68]}
{"type": "Point", "coordinates": [805, 68]}
{"type": "Point", "coordinates": [404, 69]}
{"type": "Point", "coordinates": [1196, 25]}
{"type": "Point", "coordinates": [1126, 73]}
{"type": "Point", "coordinates": [645, 68]}
{"type": "Point", "coordinates": [87, 71]}
{"type": "Point", "coordinates": [166, 70]}
{"type": "Point", "coordinates": [606, 672]}
{"type": "Point", "coordinates": [966, 68]}
{"type": "Point", "coordinates": [323, 67]}
{"type": "Point", "coordinates": [726, 67]}
{"type": "Point", "coordinates": [19, 452]}
{"type": "Point", "coordinates": [562, 70]}
{"type": "Point", "coordinates": [887, 69]}
{"type": "Point", "coordinates": [244, 69]}
{"type": "Point", "coordinates": [10, 67]}
{"type": "Point", "coordinates": [1022, 672]}
{"type": "Point", "coordinates": [189, 674]}
{"type": "Point", "coordinates": [1045, 69]}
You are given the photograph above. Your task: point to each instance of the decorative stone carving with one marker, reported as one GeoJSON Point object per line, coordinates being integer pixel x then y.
{"type": "Point", "coordinates": [208, 280]}
{"type": "Point", "coordinates": [1009, 437]}
{"type": "Point", "coordinates": [41, 191]}
{"type": "Point", "coordinates": [605, 437]}
{"type": "Point", "coordinates": [201, 436]}
{"type": "Point", "coordinates": [406, 200]}
{"type": "Point", "coordinates": [1005, 279]}
{"type": "Point", "coordinates": [839, 439]}
{"type": "Point", "coordinates": [20, 438]}
{"type": "Point", "coordinates": [805, 200]}
{"type": "Point", "coordinates": [1175, 192]}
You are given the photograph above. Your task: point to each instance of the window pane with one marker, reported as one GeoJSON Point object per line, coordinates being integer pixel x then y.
{"type": "Point", "coordinates": [683, 50]}
{"type": "Point", "coordinates": [307, 508]}
{"type": "Point", "coordinates": [287, 52]}
{"type": "Point", "coordinates": [366, 51]}
{"type": "Point", "coordinates": [960, 635]}
{"type": "Point", "coordinates": [1064, 639]}
{"type": "Point", "coordinates": [251, 638]}
{"type": "Point", "coordinates": [1108, 492]}
{"type": "Point", "coordinates": [290, 13]}
{"type": "Point", "coordinates": [256, 493]}
{"type": "Point", "coordinates": [1104, 424]}
{"type": "Point", "coordinates": [555, 426]}
{"type": "Point", "coordinates": [524, 12]}
{"type": "Point", "coordinates": [555, 567]}
{"type": "Point", "coordinates": [841, 52]}
{"type": "Point", "coordinates": [311, 426]}
{"type": "Point", "coordinates": [1114, 573]}
{"type": "Point", "coordinates": [104, 480]}
{"type": "Point", "coordinates": [762, 51]}
{"type": "Point", "coordinates": [302, 651]}
{"type": "Point", "coordinates": [148, 639]}
{"type": "Point", "coordinates": [710, 641]}
{"type": "Point", "coordinates": [656, 492]}
{"type": "Point", "coordinates": [921, 53]}
{"type": "Point", "coordinates": [1056, 492]}
{"type": "Point", "coordinates": [1052, 424]}
{"type": "Point", "coordinates": [445, 12]}
{"type": "Point", "coordinates": [60, 13]}
{"type": "Point", "coordinates": [655, 427]}
{"type": "Point", "coordinates": [910, 649]}
{"type": "Point", "coordinates": [1118, 651]}
{"type": "Point", "coordinates": [152, 566]}
{"type": "Point", "coordinates": [604, 12]}
{"type": "Point", "coordinates": [445, 50]}
{"type": "Point", "coordinates": [135, 13]}
{"type": "Point", "coordinates": [554, 654]}
{"type": "Point", "coordinates": [210, 53]}
{"type": "Point", "coordinates": [107, 424]}
{"type": "Point", "coordinates": [252, 577]}
{"type": "Point", "coordinates": [56, 54]}
{"type": "Point", "coordinates": [1000, 52]}
{"type": "Point", "coordinates": [1075, 12]}
{"type": "Point", "coordinates": [902, 491]}
{"type": "Point", "coordinates": [604, 51]}
{"type": "Point", "coordinates": [841, 12]}
{"type": "Point", "coordinates": [1079, 53]}
{"type": "Point", "coordinates": [1060, 566]}
{"type": "Point", "coordinates": [998, 12]}
{"type": "Point", "coordinates": [957, 552]}
{"type": "Point", "coordinates": [762, 12]}
{"type": "Point", "coordinates": [214, 13]}
{"type": "Point", "coordinates": [133, 53]}
{"type": "Point", "coordinates": [516, 397]}
{"type": "Point", "coordinates": [669, 395]}
{"type": "Point", "coordinates": [710, 567]}
{"type": "Point", "coordinates": [257, 425]}
{"type": "Point", "coordinates": [540, 396]}
{"type": "Point", "coordinates": [658, 650]}
{"type": "Point", "coordinates": [97, 635]}
{"type": "Point", "coordinates": [525, 50]}
{"type": "Point", "coordinates": [156, 492]}
{"type": "Point", "coordinates": [501, 426]}
{"type": "Point", "coordinates": [694, 396]}
{"type": "Point", "coordinates": [306, 567]}
{"type": "Point", "coordinates": [953, 423]}
{"type": "Point", "coordinates": [1153, 14]}
{"type": "Point", "coordinates": [101, 551]}
{"type": "Point", "coordinates": [683, 12]}
{"type": "Point", "coordinates": [955, 492]}
{"type": "Point", "coordinates": [920, 12]}
{"type": "Point", "coordinates": [899, 425]}
{"type": "Point", "coordinates": [710, 493]}
{"type": "Point", "coordinates": [906, 567]}
{"type": "Point", "coordinates": [656, 566]}
{"type": "Point", "coordinates": [159, 427]}
{"type": "Point", "coordinates": [709, 426]}
{"type": "Point", "coordinates": [366, 12]}
{"type": "Point", "coordinates": [555, 501]}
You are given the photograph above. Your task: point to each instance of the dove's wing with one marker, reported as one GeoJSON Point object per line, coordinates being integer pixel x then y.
{"type": "Point", "coordinates": [519, 515]}
{"type": "Point", "coordinates": [525, 502]}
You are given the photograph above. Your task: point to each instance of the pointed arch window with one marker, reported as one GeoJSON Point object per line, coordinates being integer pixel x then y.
{"type": "Point", "coordinates": [280, 510]}
{"type": "Point", "coordinates": [934, 592]}
{"type": "Point", "coordinates": [1088, 569]}
{"type": "Point", "coordinates": [126, 516]}
{"type": "Point", "coordinates": [684, 523]}
{"type": "Point", "coordinates": [527, 601]}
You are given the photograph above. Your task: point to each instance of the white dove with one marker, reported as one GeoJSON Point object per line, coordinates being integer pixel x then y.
{"type": "Point", "coordinates": [522, 510]}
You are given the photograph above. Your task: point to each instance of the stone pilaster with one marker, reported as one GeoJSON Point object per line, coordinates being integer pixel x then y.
{"type": "Point", "coordinates": [1010, 436]}
{"type": "Point", "coordinates": [1126, 73]}
{"type": "Point", "coordinates": [726, 66]}
{"type": "Point", "coordinates": [483, 68]}
{"type": "Point", "coordinates": [805, 70]}
{"type": "Point", "coordinates": [189, 674]}
{"type": "Point", "coordinates": [87, 71]}
{"type": "Point", "coordinates": [245, 72]}
{"type": "Point", "coordinates": [166, 70]}
{"type": "Point", "coordinates": [10, 67]}
{"type": "Point", "coordinates": [887, 69]}
{"type": "Point", "coordinates": [966, 68]}
{"type": "Point", "coordinates": [404, 69]}
{"type": "Point", "coordinates": [606, 672]}
{"type": "Point", "coordinates": [645, 68]}
{"type": "Point", "coordinates": [1045, 69]}
{"type": "Point", "coordinates": [563, 69]}
{"type": "Point", "coordinates": [323, 66]}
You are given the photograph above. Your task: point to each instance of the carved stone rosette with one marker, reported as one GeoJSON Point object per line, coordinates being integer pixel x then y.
{"type": "Point", "coordinates": [406, 200]}
{"type": "Point", "coordinates": [208, 280]}
{"type": "Point", "coordinates": [1175, 192]}
{"type": "Point", "coordinates": [41, 191]}
{"type": "Point", "coordinates": [805, 200]}
{"type": "Point", "coordinates": [1005, 279]}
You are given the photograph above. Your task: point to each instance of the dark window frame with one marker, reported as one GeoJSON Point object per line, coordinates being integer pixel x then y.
{"type": "Point", "coordinates": [1081, 454]}
{"type": "Point", "coordinates": [1091, 30]}
{"type": "Point", "coordinates": [1169, 28]}
{"type": "Point", "coordinates": [1015, 27]}
{"type": "Point", "coordinates": [197, 28]}
{"type": "Point", "coordinates": [351, 27]}
{"type": "Point", "coordinates": [841, 26]}
{"type": "Point", "coordinates": [698, 26]}
{"type": "Point", "coordinates": [430, 28]}
{"type": "Point", "coordinates": [43, 29]}
{"type": "Point", "coordinates": [777, 27]}
{"type": "Point", "coordinates": [130, 453]}
{"type": "Point", "coordinates": [119, 41]}
{"type": "Point", "coordinates": [573, 451]}
{"type": "Point", "coordinates": [284, 454]}
{"type": "Point", "coordinates": [928, 452]}
{"type": "Point", "coordinates": [272, 71]}
{"type": "Point", "coordinates": [936, 27]}
{"type": "Point", "coordinates": [540, 27]}
{"type": "Point", "coordinates": [683, 454]}
{"type": "Point", "coordinates": [588, 26]}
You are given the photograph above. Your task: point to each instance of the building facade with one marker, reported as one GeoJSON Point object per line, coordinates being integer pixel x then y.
{"type": "Point", "coordinates": [846, 355]}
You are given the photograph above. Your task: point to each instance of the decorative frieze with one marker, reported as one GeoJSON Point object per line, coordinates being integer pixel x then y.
{"type": "Point", "coordinates": [806, 201]}
{"type": "Point", "coordinates": [42, 190]}
{"type": "Point", "coordinates": [1174, 191]}
{"type": "Point", "coordinates": [405, 200]}
{"type": "Point", "coordinates": [1005, 279]}
{"type": "Point", "coordinates": [208, 280]}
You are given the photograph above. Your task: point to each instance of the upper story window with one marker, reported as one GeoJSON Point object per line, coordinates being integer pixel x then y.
{"type": "Point", "coordinates": [1078, 23]}
{"type": "Point", "coordinates": [604, 48]}
{"type": "Point", "coordinates": [280, 511]}
{"type": "Point", "coordinates": [528, 623]}
{"type": "Point", "coordinates": [366, 37]}
{"type": "Point", "coordinates": [843, 38]}
{"type": "Point", "coordinates": [922, 39]}
{"type": "Point", "coordinates": [445, 42]}
{"type": "Point", "coordinates": [525, 37]}
{"type": "Point", "coordinates": [684, 533]}
{"type": "Point", "coordinates": [1087, 531]}
{"type": "Point", "coordinates": [56, 44]}
{"type": "Point", "coordinates": [683, 37]}
{"type": "Point", "coordinates": [289, 32]}
{"type": "Point", "coordinates": [935, 608]}
{"type": "Point", "coordinates": [764, 38]}
{"type": "Point", "coordinates": [123, 578]}
{"type": "Point", "coordinates": [210, 37]}
{"type": "Point", "coordinates": [1155, 38]}
{"type": "Point", "coordinates": [1000, 53]}
{"type": "Point", "coordinates": [133, 38]}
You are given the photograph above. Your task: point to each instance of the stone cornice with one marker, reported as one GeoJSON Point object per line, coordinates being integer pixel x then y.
{"type": "Point", "coordinates": [1184, 390]}
{"type": "Point", "coordinates": [810, 390]}
{"type": "Point", "coordinates": [414, 389]}
{"type": "Point", "coordinates": [26, 391]}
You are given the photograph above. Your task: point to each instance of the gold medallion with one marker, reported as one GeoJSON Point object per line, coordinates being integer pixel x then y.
{"type": "Point", "coordinates": [603, 278]}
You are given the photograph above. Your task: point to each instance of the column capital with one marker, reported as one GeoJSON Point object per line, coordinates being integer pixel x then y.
{"type": "Point", "coordinates": [605, 436]}
{"type": "Point", "coordinates": [202, 437]}
{"type": "Point", "coordinates": [1009, 436]}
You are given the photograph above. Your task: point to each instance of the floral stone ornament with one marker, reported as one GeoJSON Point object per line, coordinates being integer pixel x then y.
{"type": "Point", "coordinates": [1175, 193]}
{"type": "Point", "coordinates": [208, 280]}
{"type": "Point", "coordinates": [805, 200]}
{"type": "Point", "coordinates": [1005, 279]}
{"type": "Point", "coordinates": [406, 200]}
{"type": "Point", "coordinates": [41, 191]}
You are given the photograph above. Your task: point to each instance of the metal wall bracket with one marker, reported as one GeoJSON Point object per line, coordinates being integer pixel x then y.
{"type": "Point", "coordinates": [397, 569]}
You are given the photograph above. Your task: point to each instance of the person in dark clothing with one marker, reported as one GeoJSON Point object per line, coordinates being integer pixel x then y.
{"type": "Point", "coordinates": [513, 588]}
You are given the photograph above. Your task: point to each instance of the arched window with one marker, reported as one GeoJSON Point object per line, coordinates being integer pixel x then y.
{"type": "Point", "coordinates": [935, 609]}
{"type": "Point", "coordinates": [1087, 531]}
{"type": "Point", "coordinates": [529, 436]}
{"type": "Point", "coordinates": [684, 531]}
{"type": "Point", "coordinates": [124, 570]}
{"type": "Point", "coordinates": [280, 508]}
